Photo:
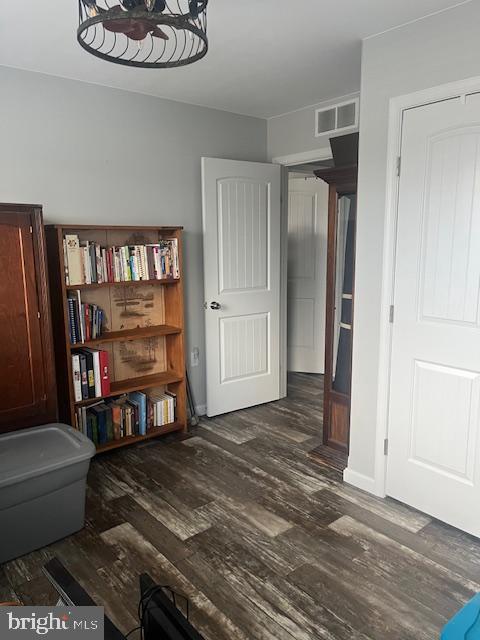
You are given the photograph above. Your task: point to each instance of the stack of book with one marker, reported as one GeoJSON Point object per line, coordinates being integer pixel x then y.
{"type": "Point", "coordinates": [84, 320]}
{"type": "Point", "coordinates": [89, 263]}
{"type": "Point", "coordinates": [162, 408]}
{"type": "Point", "coordinates": [132, 414]}
{"type": "Point", "coordinates": [91, 377]}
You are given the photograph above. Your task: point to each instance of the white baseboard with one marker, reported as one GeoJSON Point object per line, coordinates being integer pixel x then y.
{"type": "Point", "coordinates": [359, 480]}
{"type": "Point", "coordinates": [201, 409]}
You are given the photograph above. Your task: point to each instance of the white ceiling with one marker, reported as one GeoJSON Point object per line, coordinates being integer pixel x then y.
{"type": "Point", "coordinates": [266, 57]}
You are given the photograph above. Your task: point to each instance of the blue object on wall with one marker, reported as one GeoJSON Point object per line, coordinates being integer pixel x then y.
{"type": "Point", "coordinates": [465, 625]}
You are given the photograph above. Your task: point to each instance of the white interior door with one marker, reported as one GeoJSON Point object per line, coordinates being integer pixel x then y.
{"type": "Point", "coordinates": [434, 444]}
{"type": "Point", "coordinates": [307, 273]}
{"type": "Point", "coordinates": [241, 241]}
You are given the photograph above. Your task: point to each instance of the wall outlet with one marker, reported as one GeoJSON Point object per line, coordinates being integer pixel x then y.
{"type": "Point", "coordinates": [195, 357]}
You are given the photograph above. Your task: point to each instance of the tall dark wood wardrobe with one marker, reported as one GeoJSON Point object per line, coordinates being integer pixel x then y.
{"type": "Point", "coordinates": [342, 209]}
{"type": "Point", "coordinates": [27, 382]}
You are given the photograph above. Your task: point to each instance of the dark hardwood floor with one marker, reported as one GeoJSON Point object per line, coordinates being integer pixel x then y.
{"type": "Point", "coordinates": [266, 543]}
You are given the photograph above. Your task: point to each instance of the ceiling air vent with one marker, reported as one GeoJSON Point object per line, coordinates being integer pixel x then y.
{"type": "Point", "coordinates": [336, 118]}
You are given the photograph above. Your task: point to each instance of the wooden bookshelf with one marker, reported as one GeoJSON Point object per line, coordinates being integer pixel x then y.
{"type": "Point", "coordinates": [136, 384]}
{"type": "Point", "coordinates": [130, 283]}
{"type": "Point", "coordinates": [154, 432]}
{"type": "Point", "coordinates": [145, 316]}
{"type": "Point", "coordinates": [129, 334]}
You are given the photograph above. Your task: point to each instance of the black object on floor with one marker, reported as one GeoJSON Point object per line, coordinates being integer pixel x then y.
{"type": "Point", "coordinates": [71, 593]}
{"type": "Point", "coordinates": [159, 617]}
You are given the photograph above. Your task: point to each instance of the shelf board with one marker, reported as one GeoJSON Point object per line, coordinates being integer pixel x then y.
{"type": "Point", "coordinates": [154, 432]}
{"type": "Point", "coordinates": [101, 227]}
{"type": "Point", "coordinates": [138, 333]}
{"type": "Point", "coordinates": [134, 283]}
{"type": "Point", "coordinates": [135, 384]}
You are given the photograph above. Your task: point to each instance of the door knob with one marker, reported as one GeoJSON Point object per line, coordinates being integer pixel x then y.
{"type": "Point", "coordinates": [215, 306]}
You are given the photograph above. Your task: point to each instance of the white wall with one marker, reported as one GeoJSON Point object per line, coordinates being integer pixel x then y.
{"type": "Point", "coordinates": [433, 51]}
{"type": "Point", "coordinates": [92, 154]}
{"type": "Point", "coordinates": [295, 132]}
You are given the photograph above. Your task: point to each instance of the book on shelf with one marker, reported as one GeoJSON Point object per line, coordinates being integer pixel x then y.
{"type": "Point", "coordinates": [85, 321]}
{"type": "Point", "coordinates": [77, 379]}
{"type": "Point", "coordinates": [89, 263]}
{"type": "Point", "coordinates": [72, 253]}
{"type": "Point", "coordinates": [131, 414]}
{"type": "Point", "coordinates": [91, 377]}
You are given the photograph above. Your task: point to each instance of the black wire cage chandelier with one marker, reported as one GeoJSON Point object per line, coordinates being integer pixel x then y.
{"type": "Point", "coordinates": [155, 34]}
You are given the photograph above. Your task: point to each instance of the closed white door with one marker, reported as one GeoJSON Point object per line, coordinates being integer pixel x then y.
{"type": "Point", "coordinates": [241, 253]}
{"type": "Point", "coordinates": [307, 272]}
{"type": "Point", "coordinates": [434, 424]}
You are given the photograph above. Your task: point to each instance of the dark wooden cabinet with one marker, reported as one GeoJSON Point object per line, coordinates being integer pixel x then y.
{"type": "Point", "coordinates": [342, 183]}
{"type": "Point", "coordinates": [27, 379]}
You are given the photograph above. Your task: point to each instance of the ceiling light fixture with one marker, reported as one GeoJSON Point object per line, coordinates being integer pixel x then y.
{"type": "Point", "coordinates": [155, 34]}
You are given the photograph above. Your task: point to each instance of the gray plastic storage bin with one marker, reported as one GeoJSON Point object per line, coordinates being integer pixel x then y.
{"type": "Point", "coordinates": [43, 474]}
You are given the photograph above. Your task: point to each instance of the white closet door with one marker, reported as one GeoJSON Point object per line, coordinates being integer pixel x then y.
{"type": "Point", "coordinates": [307, 268]}
{"type": "Point", "coordinates": [241, 224]}
{"type": "Point", "coordinates": [434, 425]}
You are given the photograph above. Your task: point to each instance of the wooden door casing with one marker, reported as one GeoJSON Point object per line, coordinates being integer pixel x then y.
{"type": "Point", "coordinates": [27, 387]}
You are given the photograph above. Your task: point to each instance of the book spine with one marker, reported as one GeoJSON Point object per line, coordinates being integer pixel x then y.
{"type": "Point", "coordinates": [132, 266]}
{"type": "Point", "coordinates": [146, 269]}
{"type": "Point", "coordinates": [127, 276]}
{"type": "Point", "coordinates": [117, 420]}
{"type": "Point", "coordinates": [89, 426]}
{"type": "Point", "coordinates": [102, 428]}
{"type": "Point", "coordinates": [98, 321]}
{"type": "Point", "coordinates": [93, 263]}
{"type": "Point", "coordinates": [143, 405]}
{"type": "Point", "coordinates": [93, 313]}
{"type": "Point", "coordinates": [71, 321]}
{"type": "Point", "coordinates": [65, 262]}
{"type": "Point", "coordinates": [118, 271]}
{"type": "Point", "coordinates": [104, 265]}
{"type": "Point", "coordinates": [158, 263]}
{"type": "Point", "coordinates": [97, 374]}
{"type": "Point", "coordinates": [176, 259]}
{"type": "Point", "coordinates": [109, 265]}
{"type": "Point", "coordinates": [85, 320]}
{"type": "Point", "coordinates": [90, 374]}
{"type": "Point", "coordinates": [163, 266]}
{"type": "Point", "coordinates": [98, 264]}
{"type": "Point", "coordinates": [109, 422]}
{"type": "Point", "coordinates": [94, 321]}
{"type": "Point", "coordinates": [80, 317]}
{"type": "Point", "coordinates": [105, 374]}
{"type": "Point", "coordinates": [75, 270]}
{"type": "Point", "coordinates": [143, 255]}
{"type": "Point", "coordinates": [150, 416]}
{"type": "Point", "coordinates": [120, 264]}
{"type": "Point", "coordinates": [136, 264]}
{"type": "Point", "coordinates": [85, 264]}
{"type": "Point", "coordinates": [77, 388]}
{"type": "Point", "coordinates": [84, 376]}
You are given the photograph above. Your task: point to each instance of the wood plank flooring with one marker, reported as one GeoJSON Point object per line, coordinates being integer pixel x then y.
{"type": "Point", "coordinates": [266, 543]}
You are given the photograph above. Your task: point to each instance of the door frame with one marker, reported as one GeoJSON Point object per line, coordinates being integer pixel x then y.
{"type": "Point", "coordinates": [397, 107]}
{"type": "Point", "coordinates": [317, 155]}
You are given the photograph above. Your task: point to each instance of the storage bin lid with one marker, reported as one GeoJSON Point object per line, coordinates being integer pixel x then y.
{"type": "Point", "coordinates": [32, 452]}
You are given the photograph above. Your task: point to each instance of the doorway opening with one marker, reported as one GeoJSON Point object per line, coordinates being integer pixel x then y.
{"type": "Point", "coordinates": [320, 277]}
{"type": "Point", "coordinates": [306, 285]}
